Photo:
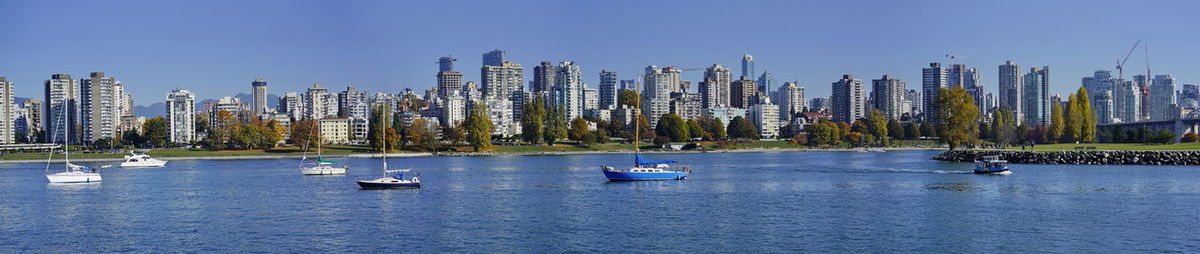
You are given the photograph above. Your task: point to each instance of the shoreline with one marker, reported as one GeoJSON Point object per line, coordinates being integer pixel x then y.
{"type": "Point", "coordinates": [473, 154]}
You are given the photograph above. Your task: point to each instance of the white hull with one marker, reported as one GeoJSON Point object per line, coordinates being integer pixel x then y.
{"type": "Point", "coordinates": [152, 163]}
{"type": "Point", "coordinates": [74, 177]}
{"type": "Point", "coordinates": [323, 170]}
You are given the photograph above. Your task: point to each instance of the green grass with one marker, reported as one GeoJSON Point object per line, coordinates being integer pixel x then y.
{"type": "Point", "coordinates": [1111, 147]}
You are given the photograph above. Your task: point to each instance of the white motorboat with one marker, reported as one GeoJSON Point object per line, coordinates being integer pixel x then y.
{"type": "Point", "coordinates": [141, 160]}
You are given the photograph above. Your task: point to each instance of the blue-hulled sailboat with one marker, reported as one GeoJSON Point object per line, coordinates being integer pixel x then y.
{"type": "Point", "coordinates": [643, 170]}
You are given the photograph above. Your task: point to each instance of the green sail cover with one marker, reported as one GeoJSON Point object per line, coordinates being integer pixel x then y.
{"type": "Point", "coordinates": [325, 161]}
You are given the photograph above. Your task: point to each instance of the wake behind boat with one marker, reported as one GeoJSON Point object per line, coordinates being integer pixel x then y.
{"type": "Point", "coordinates": [991, 165]}
{"type": "Point", "coordinates": [141, 160]}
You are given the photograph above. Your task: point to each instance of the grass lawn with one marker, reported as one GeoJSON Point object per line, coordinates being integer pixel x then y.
{"type": "Point", "coordinates": [1113, 147]}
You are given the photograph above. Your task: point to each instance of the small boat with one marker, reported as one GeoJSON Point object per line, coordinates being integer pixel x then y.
{"type": "Point", "coordinates": [991, 165]}
{"type": "Point", "coordinates": [646, 171]}
{"type": "Point", "coordinates": [72, 173]}
{"type": "Point", "coordinates": [320, 166]}
{"type": "Point", "coordinates": [141, 160]}
{"type": "Point", "coordinates": [392, 179]}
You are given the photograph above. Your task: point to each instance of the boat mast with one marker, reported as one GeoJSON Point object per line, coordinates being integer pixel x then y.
{"type": "Point", "coordinates": [384, 119]}
{"type": "Point", "coordinates": [637, 119]}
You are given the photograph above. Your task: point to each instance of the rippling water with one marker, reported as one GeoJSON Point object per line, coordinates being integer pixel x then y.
{"type": "Point", "coordinates": [733, 202]}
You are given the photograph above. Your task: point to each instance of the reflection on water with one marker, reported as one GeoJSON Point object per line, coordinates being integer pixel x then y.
{"type": "Point", "coordinates": [770, 202]}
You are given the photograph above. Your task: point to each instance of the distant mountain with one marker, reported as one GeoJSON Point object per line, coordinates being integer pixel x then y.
{"type": "Point", "coordinates": [153, 110]}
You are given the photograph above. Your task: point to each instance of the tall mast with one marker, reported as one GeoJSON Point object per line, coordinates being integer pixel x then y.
{"type": "Point", "coordinates": [384, 119]}
{"type": "Point", "coordinates": [637, 119]}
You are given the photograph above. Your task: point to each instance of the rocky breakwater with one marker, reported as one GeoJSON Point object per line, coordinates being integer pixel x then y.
{"type": "Point", "coordinates": [1079, 157]}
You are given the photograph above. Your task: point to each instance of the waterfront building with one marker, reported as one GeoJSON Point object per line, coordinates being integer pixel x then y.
{"type": "Point", "coordinates": [501, 114]}
{"type": "Point", "coordinates": [765, 116]}
{"type": "Point", "coordinates": [1010, 88]}
{"type": "Point", "coordinates": [969, 79]}
{"type": "Point", "coordinates": [232, 105]}
{"type": "Point", "coordinates": [790, 97]}
{"type": "Point", "coordinates": [352, 104]}
{"type": "Point", "coordinates": [258, 96]}
{"type": "Point", "coordinates": [715, 89]}
{"type": "Point", "coordinates": [591, 98]}
{"type": "Point", "coordinates": [568, 90]}
{"type": "Point", "coordinates": [100, 102]}
{"type": "Point", "coordinates": [747, 66]}
{"type": "Point", "coordinates": [657, 93]}
{"type": "Point", "coordinates": [62, 109]}
{"type": "Point", "coordinates": [1036, 100]}
{"type": "Point", "coordinates": [181, 117]}
{"type": "Point", "coordinates": [849, 99]}
{"type": "Point", "coordinates": [495, 57]}
{"type": "Point", "coordinates": [291, 104]}
{"type": "Point", "coordinates": [608, 90]}
{"type": "Point", "coordinates": [725, 114]}
{"type": "Point", "coordinates": [932, 79]}
{"type": "Point", "coordinates": [334, 130]}
{"type": "Point", "coordinates": [32, 114]}
{"type": "Point", "coordinates": [742, 93]}
{"type": "Point", "coordinates": [624, 114]}
{"type": "Point", "coordinates": [543, 77]}
{"type": "Point", "coordinates": [602, 114]}
{"type": "Point", "coordinates": [628, 85]}
{"type": "Point", "coordinates": [887, 95]}
{"type": "Point", "coordinates": [1189, 96]}
{"type": "Point", "coordinates": [359, 129]}
{"type": "Point", "coordinates": [686, 105]}
{"type": "Point", "coordinates": [8, 113]}
{"type": "Point", "coordinates": [1162, 98]}
{"type": "Point", "coordinates": [503, 80]}
{"type": "Point", "coordinates": [319, 103]}
{"type": "Point", "coordinates": [453, 110]}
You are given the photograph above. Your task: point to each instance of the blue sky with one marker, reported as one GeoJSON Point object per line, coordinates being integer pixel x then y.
{"type": "Point", "coordinates": [216, 48]}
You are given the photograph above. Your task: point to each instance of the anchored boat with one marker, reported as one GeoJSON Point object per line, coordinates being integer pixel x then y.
{"type": "Point", "coordinates": [71, 173]}
{"type": "Point", "coordinates": [644, 170]}
{"type": "Point", "coordinates": [392, 178]}
{"type": "Point", "coordinates": [141, 160]}
{"type": "Point", "coordinates": [319, 166]}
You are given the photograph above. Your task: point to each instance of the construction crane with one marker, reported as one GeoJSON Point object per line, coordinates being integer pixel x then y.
{"type": "Point", "coordinates": [1121, 63]}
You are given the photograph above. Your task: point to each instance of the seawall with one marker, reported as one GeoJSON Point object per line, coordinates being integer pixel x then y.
{"type": "Point", "coordinates": [1079, 157]}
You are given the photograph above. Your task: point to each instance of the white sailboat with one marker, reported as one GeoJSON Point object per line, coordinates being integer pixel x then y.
{"type": "Point", "coordinates": [71, 173]}
{"type": "Point", "coordinates": [319, 166]}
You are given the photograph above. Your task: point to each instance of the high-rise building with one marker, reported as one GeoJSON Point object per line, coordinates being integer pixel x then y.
{"type": "Point", "coordinates": [449, 82]}
{"type": "Point", "coordinates": [446, 64]}
{"type": "Point", "coordinates": [849, 99]}
{"type": "Point", "coordinates": [503, 80]}
{"type": "Point", "coordinates": [501, 114]}
{"type": "Point", "coordinates": [685, 105]}
{"type": "Point", "coordinates": [1010, 89]}
{"type": "Point", "coordinates": [454, 110]}
{"type": "Point", "coordinates": [657, 93]}
{"type": "Point", "coordinates": [258, 94]}
{"type": "Point", "coordinates": [766, 81]}
{"type": "Point", "coordinates": [1102, 105]}
{"type": "Point", "coordinates": [790, 98]}
{"type": "Point", "coordinates": [292, 104]}
{"type": "Point", "coordinates": [932, 79]}
{"type": "Point", "coordinates": [8, 114]}
{"type": "Point", "coordinates": [887, 95]}
{"type": "Point", "coordinates": [568, 90]}
{"type": "Point", "coordinates": [715, 90]}
{"type": "Point", "coordinates": [495, 57]}
{"type": "Point", "coordinates": [101, 97]}
{"type": "Point", "coordinates": [1127, 101]}
{"type": "Point", "coordinates": [1143, 84]}
{"type": "Point", "coordinates": [1036, 97]}
{"type": "Point", "coordinates": [33, 118]}
{"type": "Point", "coordinates": [352, 104]}
{"type": "Point", "coordinates": [608, 90]}
{"type": "Point", "coordinates": [765, 116]}
{"type": "Point", "coordinates": [747, 66]}
{"type": "Point", "coordinates": [62, 109]}
{"type": "Point", "coordinates": [318, 102]}
{"type": "Point", "coordinates": [181, 117]}
{"type": "Point", "coordinates": [916, 103]}
{"type": "Point", "coordinates": [1189, 96]}
{"type": "Point", "coordinates": [591, 98]}
{"type": "Point", "coordinates": [968, 78]}
{"type": "Point", "coordinates": [819, 104]}
{"type": "Point", "coordinates": [743, 93]}
{"type": "Point", "coordinates": [1162, 98]}
{"type": "Point", "coordinates": [543, 77]}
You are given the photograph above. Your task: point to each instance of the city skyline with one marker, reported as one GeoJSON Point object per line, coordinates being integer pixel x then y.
{"type": "Point", "coordinates": [263, 40]}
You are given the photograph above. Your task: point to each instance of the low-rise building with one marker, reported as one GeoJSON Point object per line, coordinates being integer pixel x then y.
{"type": "Point", "coordinates": [334, 130]}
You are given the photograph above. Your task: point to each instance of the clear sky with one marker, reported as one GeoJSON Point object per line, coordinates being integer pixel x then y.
{"type": "Point", "coordinates": [216, 48]}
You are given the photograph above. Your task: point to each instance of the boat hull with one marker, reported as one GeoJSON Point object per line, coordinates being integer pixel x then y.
{"type": "Point", "coordinates": [645, 176]}
{"type": "Point", "coordinates": [157, 164]}
{"type": "Point", "coordinates": [379, 185]}
{"type": "Point", "coordinates": [72, 177]}
{"type": "Point", "coordinates": [1003, 171]}
{"type": "Point", "coordinates": [323, 171]}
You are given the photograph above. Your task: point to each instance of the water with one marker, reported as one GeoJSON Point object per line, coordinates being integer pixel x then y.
{"type": "Point", "coordinates": [733, 202]}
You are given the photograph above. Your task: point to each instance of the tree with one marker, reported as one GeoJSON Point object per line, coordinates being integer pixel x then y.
{"type": "Point", "coordinates": [1087, 127]}
{"type": "Point", "coordinates": [695, 131]}
{"type": "Point", "coordinates": [421, 135]}
{"type": "Point", "coordinates": [985, 131]}
{"type": "Point", "coordinates": [454, 134]}
{"type": "Point", "coordinates": [628, 98]}
{"type": "Point", "coordinates": [877, 126]}
{"type": "Point", "coordinates": [673, 127]}
{"type": "Point", "coordinates": [927, 130]}
{"type": "Point", "coordinates": [713, 128]}
{"type": "Point", "coordinates": [304, 133]}
{"type": "Point", "coordinates": [579, 129]}
{"type": "Point", "coordinates": [1003, 128]}
{"type": "Point", "coordinates": [479, 128]}
{"type": "Point", "coordinates": [957, 116]}
{"type": "Point", "coordinates": [1055, 132]}
{"type": "Point", "coordinates": [556, 125]}
{"type": "Point", "coordinates": [131, 138]}
{"type": "Point", "coordinates": [644, 129]}
{"type": "Point", "coordinates": [740, 128]}
{"type": "Point", "coordinates": [1072, 120]}
{"type": "Point", "coordinates": [823, 132]}
{"type": "Point", "coordinates": [911, 131]}
{"type": "Point", "coordinates": [376, 127]}
{"type": "Point", "coordinates": [800, 139]}
{"type": "Point", "coordinates": [533, 116]}
{"type": "Point", "coordinates": [895, 130]}
{"type": "Point", "coordinates": [1190, 137]}
{"type": "Point", "coordinates": [155, 131]}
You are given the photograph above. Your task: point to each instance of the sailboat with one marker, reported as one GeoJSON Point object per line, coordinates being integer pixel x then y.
{"type": "Point", "coordinates": [319, 166]}
{"type": "Point", "coordinates": [643, 170]}
{"type": "Point", "coordinates": [392, 178]}
{"type": "Point", "coordinates": [71, 173]}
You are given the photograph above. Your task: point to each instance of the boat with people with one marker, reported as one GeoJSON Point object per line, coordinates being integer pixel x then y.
{"type": "Point", "coordinates": [72, 173]}
{"type": "Point", "coordinates": [141, 160]}
{"type": "Point", "coordinates": [643, 170]}
{"type": "Point", "coordinates": [991, 165]}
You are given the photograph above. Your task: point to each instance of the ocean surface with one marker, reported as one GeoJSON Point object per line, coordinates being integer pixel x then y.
{"type": "Point", "coordinates": [896, 201]}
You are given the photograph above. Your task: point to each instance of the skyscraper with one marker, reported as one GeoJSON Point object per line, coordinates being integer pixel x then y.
{"type": "Point", "coordinates": [33, 118]}
{"type": "Point", "coordinates": [258, 102]}
{"type": "Point", "coordinates": [1127, 101]}
{"type": "Point", "coordinates": [543, 77]}
{"type": "Point", "coordinates": [968, 78]}
{"type": "Point", "coordinates": [657, 92]}
{"type": "Point", "coordinates": [766, 81]}
{"type": "Point", "coordinates": [715, 90]}
{"type": "Point", "coordinates": [568, 89]}
{"type": "Point", "coordinates": [449, 82]}
{"type": "Point", "coordinates": [791, 100]}
{"type": "Point", "coordinates": [849, 99]}
{"type": "Point", "coordinates": [317, 103]}
{"type": "Point", "coordinates": [1036, 97]}
{"type": "Point", "coordinates": [608, 90]}
{"type": "Point", "coordinates": [352, 104]}
{"type": "Point", "coordinates": [1162, 98]}
{"type": "Point", "coordinates": [495, 57]}
{"type": "Point", "coordinates": [887, 95]}
{"type": "Point", "coordinates": [742, 93]}
{"type": "Point", "coordinates": [1143, 84]}
{"type": "Point", "coordinates": [101, 97]}
{"type": "Point", "coordinates": [292, 104]}
{"type": "Point", "coordinates": [1010, 89]}
{"type": "Point", "coordinates": [932, 79]}
{"type": "Point", "coordinates": [8, 114]}
{"type": "Point", "coordinates": [181, 117]}
{"type": "Point", "coordinates": [446, 63]}
{"type": "Point", "coordinates": [591, 98]}
{"type": "Point", "coordinates": [502, 80]}
{"type": "Point", "coordinates": [747, 66]}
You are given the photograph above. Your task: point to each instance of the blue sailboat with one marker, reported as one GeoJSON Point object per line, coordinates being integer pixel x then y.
{"type": "Point", "coordinates": [643, 170]}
